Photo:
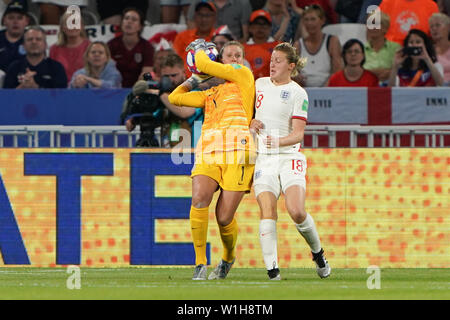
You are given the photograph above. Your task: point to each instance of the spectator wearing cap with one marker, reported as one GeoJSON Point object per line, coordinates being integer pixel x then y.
{"type": "Point", "coordinates": [132, 53]}
{"type": "Point", "coordinates": [259, 47]}
{"type": "Point", "coordinates": [15, 20]}
{"type": "Point", "coordinates": [71, 45]}
{"type": "Point", "coordinates": [205, 20]}
{"type": "Point", "coordinates": [232, 13]}
{"type": "Point", "coordinates": [35, 70]}
{"type": "Point", "coordinates": [52, 10]}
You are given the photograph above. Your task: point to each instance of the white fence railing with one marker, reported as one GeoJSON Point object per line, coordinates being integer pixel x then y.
{"type": "Point", "coordinates": [94, 136]}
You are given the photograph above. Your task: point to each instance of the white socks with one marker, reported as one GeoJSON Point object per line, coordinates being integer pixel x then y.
{"type": "Point", "coordinates": [268, 240]}
{"type": "Point", "coordinates": [308, 230]}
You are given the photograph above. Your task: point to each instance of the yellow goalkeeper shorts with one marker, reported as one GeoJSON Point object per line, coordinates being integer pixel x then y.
{"type": "Point", "coordinates": [230, 175]}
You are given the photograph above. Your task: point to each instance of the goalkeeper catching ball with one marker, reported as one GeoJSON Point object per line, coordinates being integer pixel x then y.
{"type": "Point", "coordinates": [222, 155]}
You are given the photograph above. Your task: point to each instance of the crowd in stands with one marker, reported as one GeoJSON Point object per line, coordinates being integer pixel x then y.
{"type": "Point", "coordinates": [387, 55]}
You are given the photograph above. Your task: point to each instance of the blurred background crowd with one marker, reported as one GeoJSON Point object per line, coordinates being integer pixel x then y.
{"type": "Point", "coordinates": [348, 43]}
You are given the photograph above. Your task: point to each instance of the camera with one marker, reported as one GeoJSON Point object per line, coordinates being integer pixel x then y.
{"type": "Point", "coordinates": [145, 109]}
{"type": "Point", "coordinates": [412, 51]}
{"type": "Point", "coordinates": [164, 86]}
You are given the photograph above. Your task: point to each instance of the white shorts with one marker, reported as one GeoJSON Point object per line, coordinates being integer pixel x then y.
{"type": "Point", "coordinates": [276, 173]}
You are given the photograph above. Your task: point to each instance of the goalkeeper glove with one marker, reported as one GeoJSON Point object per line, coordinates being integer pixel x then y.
{"type": "Point", "coordinates": [198, 44]}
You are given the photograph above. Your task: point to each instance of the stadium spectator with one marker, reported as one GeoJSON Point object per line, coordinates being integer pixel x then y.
{"type": "Point", "coordinates": [323, 51]}
{"type": "Point", "coordinates": [221, 36]}
{"type": "Point", "coordinates": [52, 10]}
{"type": "Point", "coordinates": [15, 20]}
{"type": "Point", "coordinates": [406, 15]}
{"type": "Point", "coordinates": [259, 47]}
{"type": "Point", "coordinates": [162, 50]}
{"type": "Point", "coordinates": [132, 53]}
{"type": "Point", "coordinates": [232, 13]}
{"type": "Point", "coordinates": [171, 10]}
{"type": "Point", "coordinates": [111, 11]}
{"type": "Point", "coordinates": [71, 45]}
{"type": "Point", "coordinates": [99, 70]}
{"type": "Point", "coordinates": [299, 5]}
{"type": "Point", "coordinates": [285, 21]}
{"type": "Point", "coordinates": [35, 70]}
{"type": "Point", "coordinates": [414, 68]}
{"type": "Point", "coordinates": [172, 67]}
{"type": "Point", "coordinates": [380, 51]}
{"type": "Point", "coordinates": [205, 20]}
{"type": "Point", "coordinates": [353, 74]}
{"type": "Point", "coordinates": [440, 29]}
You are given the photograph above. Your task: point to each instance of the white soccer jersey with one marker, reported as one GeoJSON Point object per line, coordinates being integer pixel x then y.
{"type": "Point", "coordinates": [276, 106]}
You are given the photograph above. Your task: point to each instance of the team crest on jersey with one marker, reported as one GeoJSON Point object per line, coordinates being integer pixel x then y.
{"type": "Point", "coordinates": [138, 57]}
{"type": "Point", "coordinates": [285, 95]}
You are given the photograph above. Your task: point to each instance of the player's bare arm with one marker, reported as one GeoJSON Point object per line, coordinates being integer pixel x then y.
{"type": "Point", "coordinates": [296, 135]}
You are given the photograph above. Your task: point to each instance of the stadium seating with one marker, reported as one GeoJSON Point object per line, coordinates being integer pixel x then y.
{"type": "Point", "coordinates": [347, 31]}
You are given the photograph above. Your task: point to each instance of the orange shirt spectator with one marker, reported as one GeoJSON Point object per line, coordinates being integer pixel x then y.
{"type": "Point", "coordinates": [258, 49]}
{"type": "Point", "coordinates": [205, 20]}
{"type": "Point", "coordinates": [406, 15]}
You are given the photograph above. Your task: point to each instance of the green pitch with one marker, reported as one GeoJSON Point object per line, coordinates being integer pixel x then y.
{"type": "Point", "coordinates": [156, 283]}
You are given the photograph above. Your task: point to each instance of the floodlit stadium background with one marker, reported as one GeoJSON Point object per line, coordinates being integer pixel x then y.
{"type": "Point", "coordinates": [384, 207]}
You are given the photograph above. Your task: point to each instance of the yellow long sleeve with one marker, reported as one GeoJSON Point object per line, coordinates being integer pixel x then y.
{"type": "Point", "coordinates": [182, 97]}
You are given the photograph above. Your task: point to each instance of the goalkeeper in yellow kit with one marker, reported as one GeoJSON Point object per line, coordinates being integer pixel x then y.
{"type": "Point", "coordinates": [223, 155]}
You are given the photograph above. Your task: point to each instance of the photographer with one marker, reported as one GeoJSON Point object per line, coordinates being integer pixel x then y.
{"type": "Point", "coordinates": [149, 106]}
{"type": "Point", "coordinates": [143, 107]}
{"type": "Point", "coordinates": [415, 65]}
{"type": "Point", "coordinates": [177, 117]}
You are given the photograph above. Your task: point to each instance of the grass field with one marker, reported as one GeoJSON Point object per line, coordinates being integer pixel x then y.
{"type": "Point", "coordinates": [155, 283]}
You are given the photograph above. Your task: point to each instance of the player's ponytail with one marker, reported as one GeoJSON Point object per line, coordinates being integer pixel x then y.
{"type": "Point", "coordinates": [292, 57]}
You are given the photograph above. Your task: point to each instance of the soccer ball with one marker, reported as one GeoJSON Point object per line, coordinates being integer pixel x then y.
{"type": "Point", "coordinates": [190, 60]}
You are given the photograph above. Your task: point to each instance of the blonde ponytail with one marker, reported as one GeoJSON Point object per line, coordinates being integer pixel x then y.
{"type": "Point", "coordinates": [292, 57]}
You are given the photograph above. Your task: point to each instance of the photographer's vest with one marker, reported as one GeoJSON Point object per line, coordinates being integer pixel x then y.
{"type": "Point", "coordinates": [226, 124]}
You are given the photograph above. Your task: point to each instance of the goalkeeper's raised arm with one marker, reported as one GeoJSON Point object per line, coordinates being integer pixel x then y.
{"type": "Point", "coordinates": [230, 69]}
